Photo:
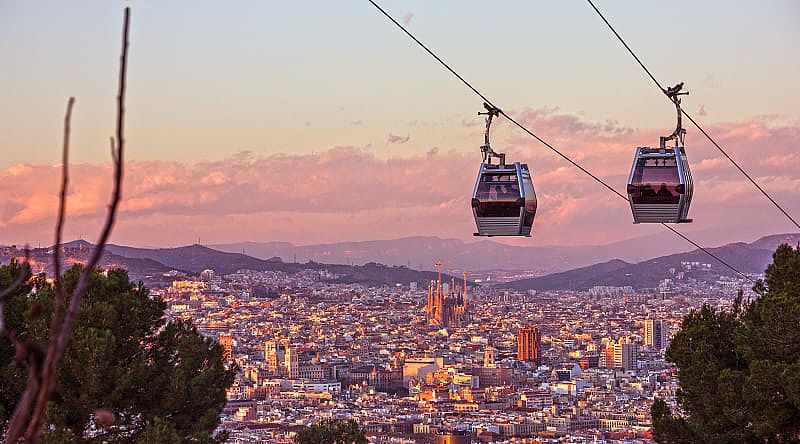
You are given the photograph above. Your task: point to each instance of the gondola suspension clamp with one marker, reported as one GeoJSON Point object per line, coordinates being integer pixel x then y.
{"type": "Point", "coordinates": [674, 94]}
{"type": "Point", "coordinates": [486, 149]}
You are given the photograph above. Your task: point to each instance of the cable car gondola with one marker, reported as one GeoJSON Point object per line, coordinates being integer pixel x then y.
{"type": "Point", "coordinates": [660, 183]}
{"type": "Point", "coordinates": [504, 200]}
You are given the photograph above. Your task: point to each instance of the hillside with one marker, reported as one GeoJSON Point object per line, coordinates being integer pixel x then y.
{"type": "Point", "coordinates": [196, 258]}
{"type": "Point", "coordinates": [748, 258]}
{"type": "Point", "coordinates": [579, 278]}
{"type": "Point", "coordinates": [78, 252]}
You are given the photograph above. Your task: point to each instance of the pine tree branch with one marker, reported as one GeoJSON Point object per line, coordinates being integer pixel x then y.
{"type": "Point", "coordinates": [6, 292]}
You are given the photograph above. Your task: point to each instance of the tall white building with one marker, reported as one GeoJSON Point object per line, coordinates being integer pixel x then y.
{"type": "Point", "coordinates": [625, 354]}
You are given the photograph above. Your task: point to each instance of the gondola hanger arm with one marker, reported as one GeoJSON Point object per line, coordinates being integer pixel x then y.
{"type": "Point", "coordinates": [674, 93]}
{"type": "Point", "coordinates": [487, 151]}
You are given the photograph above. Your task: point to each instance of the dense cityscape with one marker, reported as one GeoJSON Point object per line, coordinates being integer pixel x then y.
{"type": "Point", "coordinates": [442, 361]}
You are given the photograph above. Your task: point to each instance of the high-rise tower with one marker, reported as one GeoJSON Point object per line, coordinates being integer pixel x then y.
{"type": "Point", "coordinates": [226, 342]}
{"type": "Point", "coordinates": [625, 354]}
{"type": "Point", "coordinates": [273, 354]}
{"type": "Point", "coordinates": [655, 335]}
{"type": "Point", "coordinates": [529, 345]}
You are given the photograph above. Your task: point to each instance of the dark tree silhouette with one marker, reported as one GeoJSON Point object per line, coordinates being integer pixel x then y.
{"type": "Point", "coordinates": [127, 375]}
{"type": "Point", "coordinates": [739, 371]}
{"type": "Point", "coordinates": [332, 431]}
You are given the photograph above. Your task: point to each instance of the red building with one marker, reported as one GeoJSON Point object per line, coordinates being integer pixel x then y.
{"type": "Point", "coordinates": [226, 341]}
{"type": "Point", "coordinates": [529, 345]}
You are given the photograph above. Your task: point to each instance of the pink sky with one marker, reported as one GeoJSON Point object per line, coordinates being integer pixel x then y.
{"type": "Point", "coordinates": [350, 193]}
{"type": "Point", "coordinates": [267, 122]}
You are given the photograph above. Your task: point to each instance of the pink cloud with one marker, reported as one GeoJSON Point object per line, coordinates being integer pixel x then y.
{"type": "Point", "coordinates": [350, 193]}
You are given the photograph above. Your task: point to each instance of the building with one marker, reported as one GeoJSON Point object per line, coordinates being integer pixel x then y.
{"type": "Point", "coordinates": [606, 358]}
{"type": "Point", "coordinates": [529, 345]}
{"type": "Point", "coordinates": [452, 437]}
{"type": "Point", "coordinates": [273, 355]}
{"type": "Point", "coordinates": [292, 362]}
{"type": "Point", "coordinates": [655, 334]}
{"type": "Point", "coordinates": [447, 304]}
{"type": "Point", "coordinates": [226, 342]}
{"type": "Point", "coordinates": [488, 357]}
{"type": "Point", "coordinates": [625, 354]}
{"type": "Point", "coordinates": [492, 376]}
{"type": "Point", "coordinates": [374, 376]}
{"type": "Point", "coordinates": [419, 368]}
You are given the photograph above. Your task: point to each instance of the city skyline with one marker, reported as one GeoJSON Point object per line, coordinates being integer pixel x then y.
{"type": "Point", "coordinates": [284, 175]}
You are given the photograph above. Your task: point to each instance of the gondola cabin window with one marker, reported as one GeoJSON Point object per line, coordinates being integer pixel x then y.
{"type": "Point", "coordinates": [656, 181]}
{"type": "Point", "coordinates": [499, 187]}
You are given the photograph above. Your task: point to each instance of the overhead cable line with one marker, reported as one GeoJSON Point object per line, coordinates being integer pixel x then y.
{"type": "Point", "coordinates": [691, 119]}
{"type": "Point", "coordinates": [539, 139]}
{"type": "Point", "coordinates": [489, 102]}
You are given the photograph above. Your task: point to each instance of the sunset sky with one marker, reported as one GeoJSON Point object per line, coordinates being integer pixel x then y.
{"type": "Point", "coordinates": [319, 121]}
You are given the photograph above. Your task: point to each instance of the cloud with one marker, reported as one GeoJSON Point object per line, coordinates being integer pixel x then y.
{"type": "Point", "coordinates": [348, 192]}
{"type": "Point", "coordinates": [398, 139]}
{"type": "Point", "coordinates": [407, 18]}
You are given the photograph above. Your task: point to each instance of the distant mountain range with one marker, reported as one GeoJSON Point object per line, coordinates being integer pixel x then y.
{"type": "Point", "coordinates": [483, 255]}
{"type": "Point", "coordinates": [196, 258]}
{"type": "Point", "coordinates": [420, 252]}
{"type": "Point", "coordinates": [149, 264]}
{"type": "Point", "coordinates": [747, 258]}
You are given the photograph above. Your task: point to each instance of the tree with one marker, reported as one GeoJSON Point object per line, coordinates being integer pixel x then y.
{"type": "Point", "coordinates": [127, 375]}
{"type": "Point", "coordinates": [739, 371]}
{"type": "Point", "coordinates": [332, 431]}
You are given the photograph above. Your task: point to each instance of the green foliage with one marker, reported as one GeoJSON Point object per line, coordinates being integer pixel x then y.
{"type": "Point", "coordinates": [739, 371]}
{"type": "Point", "coordinates": [162, 381]}
{"type": "Point", "coordinates": [332, 431]}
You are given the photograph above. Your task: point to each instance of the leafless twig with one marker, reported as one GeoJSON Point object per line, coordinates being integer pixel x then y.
{"type": "Point", "coordinates": [41, 383]}
{"type": "Point", "coordinates": [58, 309]}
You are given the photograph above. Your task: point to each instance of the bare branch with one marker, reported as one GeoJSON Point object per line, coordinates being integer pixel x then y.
{"type": "Point", "coordinates": [83, 282]}
{"type": "Point", "coordinates": [113, 149]}
{"type": "Point", "coordinates": [58, 309]}
{"type": "Point", "coordinates": [59, 343]}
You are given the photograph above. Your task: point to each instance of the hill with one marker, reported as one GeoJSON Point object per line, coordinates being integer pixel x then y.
{"type": "Point", "coordinates": [748, 258]}
{"type": "Point", "coordinates": [41, 259]}
{"type": "Point", "coordinates": [579, 278]}
{"type": "Point", "coordinates": [196, 258]}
